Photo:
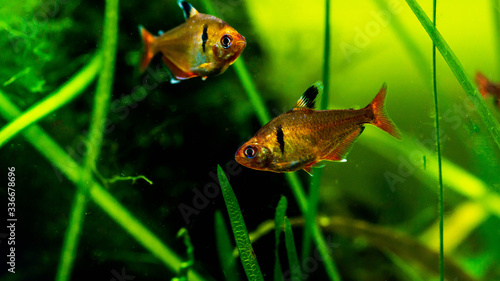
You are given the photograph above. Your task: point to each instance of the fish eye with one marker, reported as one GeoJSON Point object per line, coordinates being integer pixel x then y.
{"type": "Point", "coordinates": [249, 152]}
{"type": "Point", "coordinates": [226, 41]}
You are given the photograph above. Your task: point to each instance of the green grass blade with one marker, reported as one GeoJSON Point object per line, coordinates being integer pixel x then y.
{"type": "Point", "coordinates": [293, 259]}
{"type": "Point", "coordinates": [247, 255]}
{"type": "Point", "coordinates": [225, 248]}
{"type": "Point", "coordinates": [244, 76]}
{"type": "Point", "coordinates": [278, 221]}
{"type": "Point", "coordinates": [72, 235]}
{"type": "Point", "coordinates": [326, 59]}
{"type": "Point", "coordinates": [411, 273]}
{"type": "Point", "coordinates": [64, 163]}
{"type": "Point", "coordinates": [313, 198]}
{"type": "Point", "coordinates": [458, 70]}
{"type": "Point", "coordinates": [312, 229]}
{"type": "Point", "coordinates": [384, 238]}
{"type": "Point", "coordinates": [185, 266]}
{"type": "Point", "coordinates": [101, 105]}
{"type": "Point", "coordinates": [310, 216]}
{"type": "Point", "coordinates": [104, 85]}
{"type": "Point", "coordinates": [264, 117]}
{"type": "Point", "coordinates": [62, 96]}
{"type": "Point", "coordinates": [454, 177]}
{"type": "Point", "coordinates": [438, 148]}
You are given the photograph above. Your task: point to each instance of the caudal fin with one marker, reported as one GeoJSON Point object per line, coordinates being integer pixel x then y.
{"type": "Point", "coordinates": [149, 51]}
{"type": "Point", "coordinates": [382, 119]}
{"type": "Point", "coordinates": [482, 84]}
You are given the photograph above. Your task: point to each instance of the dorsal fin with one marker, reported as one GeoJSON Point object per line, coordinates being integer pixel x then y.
{"type": "Point", "coordinates": [188, 10]}
{"type": "Point", "coordinates": [307, 99]}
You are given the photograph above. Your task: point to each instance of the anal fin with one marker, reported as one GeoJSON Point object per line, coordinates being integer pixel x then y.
{"type": "Point", "coordinates": [308, 169]}
{"type": "Point", "coordinates": [178, 73]}
{"type": "Point", "coordinates": [340, 152]}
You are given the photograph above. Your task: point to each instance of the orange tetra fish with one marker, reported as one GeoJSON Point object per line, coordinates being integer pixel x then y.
{"type": "Point", "coordinates": [487, 88]}
{"type": "Point", "coordinates": [202, 46]}
{"type": "Point", "coordinates": [301, 137]}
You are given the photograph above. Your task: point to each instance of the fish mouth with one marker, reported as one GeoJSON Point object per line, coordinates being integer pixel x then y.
{"type": "Point", "coordinates": [240, 41]}
{"type": "Point", "coordinates": [239, 157]}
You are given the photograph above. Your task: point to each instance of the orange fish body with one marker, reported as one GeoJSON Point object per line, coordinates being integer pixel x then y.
{"type": "Point", "coordinates": [487, 88]}
{"type": "Point", "coordinates": [302, 137]}
{"type": "Point", "coordinates": [202, 46]}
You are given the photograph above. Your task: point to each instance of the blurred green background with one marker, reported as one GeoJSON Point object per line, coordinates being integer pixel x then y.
{"type": "Point", "coordinates": [177, 134]}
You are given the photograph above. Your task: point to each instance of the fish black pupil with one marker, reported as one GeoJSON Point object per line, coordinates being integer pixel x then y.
{"type": "Point", "coordinates": [226, 41]}
{"type": "Point", "coordinates": [250, 152]}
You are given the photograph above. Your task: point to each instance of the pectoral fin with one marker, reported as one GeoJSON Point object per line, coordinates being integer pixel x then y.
{"type": "Point", "coordinates": [340, 152]}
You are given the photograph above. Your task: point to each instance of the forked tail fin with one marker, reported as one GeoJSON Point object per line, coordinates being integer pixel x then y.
{"type": "Point", "coordinates": [149, 51]}
{"type": "Point", "coordinates": [381, 118]}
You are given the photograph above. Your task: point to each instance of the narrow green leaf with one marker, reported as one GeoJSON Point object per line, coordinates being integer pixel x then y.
{"type": "Point", "coordinates": [185, 266]}
{"type": "Point", "coordinates": [310, 216]}
{"type": "Point", "coordinates": [313, 199]}
{"type": "Point", "coordinates": [438, 148]}
{"type": "Point", "coordinates": [225, 248]}
{"type": "Point", "coordinates": [72, 235]}
{"type": "Point", "coordinates": [454, 177]}
{"type": "Point", "coordinates": [62, 162]}
{"type": "Point", "coordinates": [244, 76]}
{"type": "Point", "coordinates": [326, 59]}
{"type": "Point", "coordinates": [52, 102]}
{"type": "Point", "coordinates": [263, 116]}
{"type": "Point", "coordinates": [101, 105]}
{"type": "Point", "coordinates": [458, 70]}
{"type": "Point", "coordinates": [384, 238]}
{"type": "Point", "coordinates": [293, 259]}
{"type": "Point", "coordinates": [247, 255]}
{"type": "Point", "coordinates": [278, 220]}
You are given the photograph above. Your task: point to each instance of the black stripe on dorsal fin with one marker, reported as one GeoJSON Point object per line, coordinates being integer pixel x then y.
{"type": "Point", "coordinates": [204, 37]}
{"type": "Point", "coordinates": [188, 10]}
{"type": "Point", "coordinates": [307, 99]}
{"type": "Point", "coordinates": [280, 138]}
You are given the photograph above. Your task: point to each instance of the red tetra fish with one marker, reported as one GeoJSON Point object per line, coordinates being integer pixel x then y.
{"type": "Point", "coordinates": [302, 137]}
{"type": "Point", "coordinates": [487, 88]}
{"type": "Point", "coordinates": [202, 46]}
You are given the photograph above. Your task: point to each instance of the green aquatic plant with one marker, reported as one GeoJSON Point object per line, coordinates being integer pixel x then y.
{"type": "Point", "coordinates": [292, 178]}
{"type": "Point", "coordinates": [279, 218]}
{"type": "Point", "coordinates": [244, 77]}
{"type": "Point", "coordinates": [185, 266]}
{"type": "Point", "coordinates": [46, 146]}
{"type": "Point", "coordinates": [225, 248]}
{"type": "Point", "coordinates": [81, 176]}
{"type": "Point", "coordinates": [293, 258]}
{"type": "Point", "coordinates": [95, 136]}
{"type": "Point", "coordinates": [66, 93]}
{"type": "Point", "coordinates": [438, 150]}
{"type": "Point", "coordinates": [397, 243]}
{"type": "Point", "coordinates": [247, 255]}
{"type": "Point", "coordinates": [318, 171]}
{"type": "Point", "coordinates": [472, 200]}
{"type": "Point", "coordinates": [465, 81]}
